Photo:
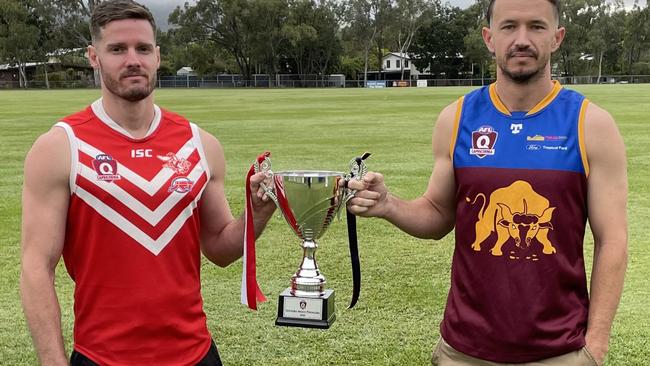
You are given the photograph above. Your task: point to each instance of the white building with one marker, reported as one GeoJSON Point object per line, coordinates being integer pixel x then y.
{"type": "Point", "coordinates": [185, 71]}
{"type": "Point", "coordinates": [394, 61]}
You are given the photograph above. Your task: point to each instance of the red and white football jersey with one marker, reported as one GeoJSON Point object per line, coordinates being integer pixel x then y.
{"type": "Point", "coordinates": [132, 240]}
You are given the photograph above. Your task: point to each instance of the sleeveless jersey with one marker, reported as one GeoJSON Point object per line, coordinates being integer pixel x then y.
{"type": "Point", "coordinates": [132, 240]}
{"type": "Point", "coordinates": [518, 284]}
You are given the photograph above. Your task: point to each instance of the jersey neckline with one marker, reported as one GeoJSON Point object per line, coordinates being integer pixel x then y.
{"type": "Point", "coordinates": [98, 108]}
{"type": "Point", "coordinates": [550, 97]}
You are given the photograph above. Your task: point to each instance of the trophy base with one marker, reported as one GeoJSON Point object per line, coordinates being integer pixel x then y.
{"type": "Point", "coordinates": [306, 312]}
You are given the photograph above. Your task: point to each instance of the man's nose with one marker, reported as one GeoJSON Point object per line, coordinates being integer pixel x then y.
{"type": "Point", "coordinates": [522, 40]}
{"type": "Point", "coordinates": [132, 58]}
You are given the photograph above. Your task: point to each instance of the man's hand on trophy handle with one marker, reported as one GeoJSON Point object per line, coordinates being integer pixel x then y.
{"type": "Point", "coordinates": [258, 180]}
{"type": "Point", "coordinates": [370, 195]}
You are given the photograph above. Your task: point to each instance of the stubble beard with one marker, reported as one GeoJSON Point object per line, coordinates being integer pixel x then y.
{"type": "Point", "coordinates": [134, 93]}
{"type": "Point", "coordinates": [524, 76]}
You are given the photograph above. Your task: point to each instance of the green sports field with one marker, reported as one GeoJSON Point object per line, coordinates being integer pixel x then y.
{"type": "Point", "coordinates": [405, 280]}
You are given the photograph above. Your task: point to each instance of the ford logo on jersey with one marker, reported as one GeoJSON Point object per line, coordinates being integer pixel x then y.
{"type": "Point", "coordinates": [533, 147]}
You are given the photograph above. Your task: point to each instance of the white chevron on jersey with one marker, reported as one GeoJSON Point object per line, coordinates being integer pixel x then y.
{"type": "Point", "coordinates": [150, 186]}
{"type": "Point", "coordinates": [152, 217]}
{"type": "Point", "coordinates": [155, 246]}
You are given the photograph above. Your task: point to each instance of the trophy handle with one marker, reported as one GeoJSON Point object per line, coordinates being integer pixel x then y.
{"type": "Point", "coordinates": [265, 167]}
{"type": "Point", "coordinates": [358, 169]}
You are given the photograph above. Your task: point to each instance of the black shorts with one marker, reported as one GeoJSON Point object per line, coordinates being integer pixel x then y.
{"type": "Point", "coordinates": [210, 359]}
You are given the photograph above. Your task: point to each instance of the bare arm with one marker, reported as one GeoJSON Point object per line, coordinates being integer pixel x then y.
{"type": "Point", "coordinates": [45, 206]}
{"type": "Point", "coordinates": [222, 236]}
{"type": "Point", "coordinates": [430, 216]}
{"type": "Point", "coordinates": [607, 200]}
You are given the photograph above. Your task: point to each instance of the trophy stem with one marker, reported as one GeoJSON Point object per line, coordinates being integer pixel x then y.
{"type": "Point", "coordinates": [308, 281]}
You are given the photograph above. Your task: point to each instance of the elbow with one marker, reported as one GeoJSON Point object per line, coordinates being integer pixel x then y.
{"type": "Point", "coordinates": [219, 260]}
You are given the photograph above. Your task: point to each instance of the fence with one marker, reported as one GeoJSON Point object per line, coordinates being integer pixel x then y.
{"type": "Point", "coordinates": [294, 81]}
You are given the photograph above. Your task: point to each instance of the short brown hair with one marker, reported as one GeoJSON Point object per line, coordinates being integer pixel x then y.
{"type": "Point", "coordinates": [111, 10]}
{"type": "Point", "coordinates": [555, 3]}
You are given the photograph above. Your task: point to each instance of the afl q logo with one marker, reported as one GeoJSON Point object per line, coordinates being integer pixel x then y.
{"type": "Point", "coordinates": [106, 168]}
{"type": "Point", "coordinates": [483, 141]}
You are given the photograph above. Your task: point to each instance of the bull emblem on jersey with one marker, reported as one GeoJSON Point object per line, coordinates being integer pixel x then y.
{"type": "Point", "coordinates": [514, 212]}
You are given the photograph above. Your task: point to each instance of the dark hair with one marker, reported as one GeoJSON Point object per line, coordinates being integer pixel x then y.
{"type": "Point", "coordinates": [108, 11]}
{"type": "Point", "coordinates": [555, 3]}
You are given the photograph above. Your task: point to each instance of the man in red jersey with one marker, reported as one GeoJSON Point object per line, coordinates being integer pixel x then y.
{"type": "Point", "coordinates": [130, 195]}
{"type": "Point", "coordinates": [519, 168]}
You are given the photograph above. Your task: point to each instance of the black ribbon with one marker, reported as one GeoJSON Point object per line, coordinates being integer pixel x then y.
{"type": "Point", "coordinates": [352, 239]}
{"type": "Point", "coordinates": [354, 256]}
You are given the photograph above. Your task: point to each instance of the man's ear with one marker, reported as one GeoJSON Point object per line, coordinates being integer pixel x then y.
{"type": "Point", "coordinates": [558, 38]}
{"type": "Point", "coordinates": [486, 32]}
{"type": "Point", "coordinates": [92, 57]}
{"type": "Point", "coordinates": [158, 56]}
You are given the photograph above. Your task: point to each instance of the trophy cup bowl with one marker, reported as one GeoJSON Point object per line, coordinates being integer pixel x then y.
{"type": "Point", "coordinates": [308, 200]}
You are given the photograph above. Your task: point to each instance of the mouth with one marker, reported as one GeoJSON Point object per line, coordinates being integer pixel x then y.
{"type": "Point", "coordinates": [134, 77]}
{"type": "Point", "coordinates": [522, 55]}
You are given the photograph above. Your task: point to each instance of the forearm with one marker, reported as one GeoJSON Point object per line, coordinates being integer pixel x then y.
{"type": "Point", "coordinates": [227, 246]}
{"type": "Point", "coordinates": [419, 217]}
{"type": "Point", "coordinates": [43, 315]}
{"type": "Point", "coordinates": [610, 262]}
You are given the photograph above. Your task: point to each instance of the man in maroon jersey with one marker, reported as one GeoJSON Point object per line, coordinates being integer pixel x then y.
{"type": "Point", "coordinates": [519, 168]}
{"type": "Point", "coordinates": [130, 195]}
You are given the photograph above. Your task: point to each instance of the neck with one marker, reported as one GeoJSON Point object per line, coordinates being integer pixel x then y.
{"type": "Point", "coordinates": [523, 97]}
{"type": "Point", "coordinates": [134, 117]}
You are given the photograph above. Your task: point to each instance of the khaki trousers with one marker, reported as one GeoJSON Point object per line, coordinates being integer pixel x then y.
{"type": "Point", "coordinates": [445, 355]}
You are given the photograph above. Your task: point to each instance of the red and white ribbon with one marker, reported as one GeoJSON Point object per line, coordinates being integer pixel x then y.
{"type": "Point", "coordinates": [250, 289]}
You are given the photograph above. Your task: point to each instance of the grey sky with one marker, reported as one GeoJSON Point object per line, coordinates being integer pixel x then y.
{"type": "Point", "coordinates": [162, 8]}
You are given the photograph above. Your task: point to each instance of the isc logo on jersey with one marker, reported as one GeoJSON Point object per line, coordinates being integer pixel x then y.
{"type": "Point", "coordinates": [141, 153]}
{"type": "Point", "coordinates": [106, 168]}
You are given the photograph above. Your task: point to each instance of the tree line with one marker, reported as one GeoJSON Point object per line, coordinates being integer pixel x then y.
{"type": "Point", "coordinates": [322, 37]}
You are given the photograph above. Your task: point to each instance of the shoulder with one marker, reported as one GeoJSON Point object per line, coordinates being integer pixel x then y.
{"type": "Point", "coordinates": [50, 156]}
{"type": "Point", "coordinates": [173, 117]}
{"type": "Point", "coordinates": [448, 118]}
{"type": "Point", "coordinates": [79, 117]}
{"type": "Point", "coordinates": [213, 152]}
{"type": "Point", "coordinates": [599, 125]}
{"type": "Point", "coordinates": [601, 134]}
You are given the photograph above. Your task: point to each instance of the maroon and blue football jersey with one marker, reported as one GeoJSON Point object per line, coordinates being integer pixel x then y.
{"type": "Point", "coordinates": [518, 283]}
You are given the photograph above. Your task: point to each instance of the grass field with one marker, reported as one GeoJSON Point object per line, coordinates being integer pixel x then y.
{"type": "Point", "coordinates": [405, 280]}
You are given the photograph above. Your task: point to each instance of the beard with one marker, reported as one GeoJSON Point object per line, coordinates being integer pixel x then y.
{"type": "Point", "coordinates": [131, 93]}
{"type": "Point", "coordinates": [521, 75]}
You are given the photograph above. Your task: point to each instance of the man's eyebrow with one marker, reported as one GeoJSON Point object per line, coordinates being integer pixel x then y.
{"type": "Point", "coordinates": [116, 44]}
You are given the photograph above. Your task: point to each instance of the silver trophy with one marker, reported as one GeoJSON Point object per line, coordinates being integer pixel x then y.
{"type": "Point", "coordinates": [309, 200]}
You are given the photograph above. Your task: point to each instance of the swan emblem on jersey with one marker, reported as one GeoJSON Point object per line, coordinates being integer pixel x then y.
{"type": "Point", "coordinates": [483, 141]}
{"type": "Point", "coordinates": [106, 168]}
{"type": "Point", "coordinates": [517, 214]}
{"type": "Point", "coordinates": [173, 162]}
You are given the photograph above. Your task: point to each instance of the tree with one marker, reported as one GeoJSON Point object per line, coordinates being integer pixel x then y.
{"type": "Point", "coordinates": [25, 34]}
{"type": "Point", "coordinates": [438, 45]}
{"type": "Point", "coordinates": [637, 35]}
{"type": "Point", "coordinates": [606, 33]}
{"type": "Point", "coordinates": [313, 39]}
{"type": "Point", "coordinates": [411, 16]}
{"type": "Point", "coordinates": [363, 27]}
{"type": "Point", "coordinates": [243, 28]}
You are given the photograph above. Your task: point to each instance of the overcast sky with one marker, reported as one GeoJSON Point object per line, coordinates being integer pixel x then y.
{"type": "Point", "coordinates": [162, 8]}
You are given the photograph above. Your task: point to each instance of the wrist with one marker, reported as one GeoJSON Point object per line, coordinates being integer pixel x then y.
{"type": "Point", "coordinates": [388, 207]}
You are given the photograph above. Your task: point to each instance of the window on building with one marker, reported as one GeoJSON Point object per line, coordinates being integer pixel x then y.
{"type": "Point", "coordinates": [406, 63]}
{"type": "Point", "coordinates": [388, 64]}
{"type": "Point", "coordinates": [397, 63]}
